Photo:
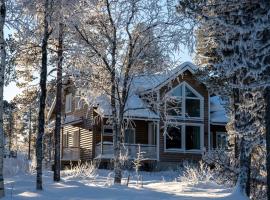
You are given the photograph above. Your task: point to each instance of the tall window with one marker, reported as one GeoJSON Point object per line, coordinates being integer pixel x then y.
{"type": "Point", "coordinates": [174, 138]}
{"type": "Point", "coordinates": [68, 105]}
{"type": "Point", "coordinates": [193, 138]}
{"type": "Point", "coordinates": [184, 102]}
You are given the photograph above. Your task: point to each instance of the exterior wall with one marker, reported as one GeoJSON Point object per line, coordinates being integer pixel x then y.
{"type": "Point", "coordinates": [201, 89]}
{"type": "Point", "coordinates": [85, 140]}
{"type": "Point", "coordinates": [141, 132]}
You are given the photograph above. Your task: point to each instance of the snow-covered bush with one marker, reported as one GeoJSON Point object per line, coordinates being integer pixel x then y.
{"type": "Point", "coordinates": [194, 174]}
{"type": "Point", "coordinates": [85, 170]}
{"type": "Point", "coordinates": [18, 165]}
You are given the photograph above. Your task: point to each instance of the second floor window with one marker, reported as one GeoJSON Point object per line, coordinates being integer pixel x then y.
{"type": "Point", "coordinates": [68, 106]}
{"type": "Point", "coordinates": [184, 102]}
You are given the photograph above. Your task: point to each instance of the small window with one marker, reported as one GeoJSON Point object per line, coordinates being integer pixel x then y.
{"type": "Point", "coordinates": [193, 139]}
{"type": "Point", "coordinates": [107, 130]}
{"type": "Point", "coordinates": [221, 140]}
{"type": "Point", "coordinates": [174, 138]}
{"type": "Point", "coordinates": [68, 105]}
{"type": "Point", "coordinates": [130, 136]}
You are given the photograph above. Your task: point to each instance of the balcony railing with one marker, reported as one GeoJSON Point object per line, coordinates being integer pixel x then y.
{"type": "Point", "coordinates": [105, 151]}
{"type": "Point", "coordinates": [71, 153]}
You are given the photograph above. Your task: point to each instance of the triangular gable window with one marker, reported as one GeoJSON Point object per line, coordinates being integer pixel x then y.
{"type": "Point", "coordinates": [184, 102]}
{"type": "Point", "coordinates": [189, 93]}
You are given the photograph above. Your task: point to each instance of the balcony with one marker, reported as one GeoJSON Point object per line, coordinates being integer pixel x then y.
{"type": "Point", "coordinates": [105, 151]}
{"type": "Point", "coordinates": [71, 154]}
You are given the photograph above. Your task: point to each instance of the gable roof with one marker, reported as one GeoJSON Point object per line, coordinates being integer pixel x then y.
{"type": "Point", "coordinates": [144, 83]}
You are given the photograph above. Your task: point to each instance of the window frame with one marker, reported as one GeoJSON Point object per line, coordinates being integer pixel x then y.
{"type": "Point", "coordinates": [68, 103]}
{"type": "Point", "coordinates": [183, 115]}
{"type": "Point", "coordinates": [183, 139]}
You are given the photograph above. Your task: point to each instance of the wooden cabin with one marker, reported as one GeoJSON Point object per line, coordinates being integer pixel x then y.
{"type": "Point", "coordinates": [181, 126]}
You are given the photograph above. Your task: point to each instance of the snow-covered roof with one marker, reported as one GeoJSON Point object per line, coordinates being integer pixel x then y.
{"type": "Point", "coordinates": [135, 107]}
{"type": "Point", "coordinates": [148, 82]}
{"type": "Point", "coordinates": [217, 111]}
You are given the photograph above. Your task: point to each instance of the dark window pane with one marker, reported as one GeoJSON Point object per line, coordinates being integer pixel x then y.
{"type": "Point", "coordinates": [189, 93]}
{"type": "Point", "coordinates": [193, 107]}
{"type": "Point", "coordinates": [130, 136]}
{"type": "Point", "coordinates": [174, 107]}
{"type": "Point", "coordinates": [173, 139]}
{"type": "Point", "coordinates": [193, 137]}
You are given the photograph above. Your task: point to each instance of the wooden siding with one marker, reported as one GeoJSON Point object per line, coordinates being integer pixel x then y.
{"type": "Point", "coordinates": [141, 132]}
{"type": "Point", "coordinates": [85, 140]}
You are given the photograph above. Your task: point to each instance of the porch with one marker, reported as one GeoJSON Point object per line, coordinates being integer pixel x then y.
{"type": "Point", "coordinates": [129, 151]}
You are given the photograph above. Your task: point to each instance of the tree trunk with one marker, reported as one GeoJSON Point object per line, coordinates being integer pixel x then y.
{"type": "Point", "coordinates": [30, 133]}
{"type": "Point", "coordinates": [116, 134]}
{"type": "Point", "coordinates": [42, 98]}
{"type": "Point", "coordinates": [267, 133]}
{"type": "Point", "coordinates": [58, 105]}
{"type": "Point", "coordinates": [2, 79]}
{"type": "Point", "coordinates": [244, 168]}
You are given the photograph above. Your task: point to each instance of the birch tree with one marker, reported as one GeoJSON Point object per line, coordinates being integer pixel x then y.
{"type": "Point", "coordinates": [112, 44]}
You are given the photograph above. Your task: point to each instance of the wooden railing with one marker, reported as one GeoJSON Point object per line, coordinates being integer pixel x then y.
{"type": "Point", "coordinates": [105, 151]}
{"type": "Point", "coordinates": [71, 153]}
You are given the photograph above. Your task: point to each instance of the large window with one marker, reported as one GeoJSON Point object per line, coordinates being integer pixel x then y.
{"type": "Point", "coordinates": [174, 138]}
{"type": "Point", "coordinates": [193, 139]}
{"type": "Point", "coordinates": [184, 137]}
{"type": "Point", "coordinates": [184, 102]}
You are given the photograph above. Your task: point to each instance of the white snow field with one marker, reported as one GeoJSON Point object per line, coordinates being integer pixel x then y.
{"type": "Point", "coordinates": [156, 186]}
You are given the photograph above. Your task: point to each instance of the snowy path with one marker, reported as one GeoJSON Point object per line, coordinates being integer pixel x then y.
{"type": "Point", "coordinates": [72, 189]}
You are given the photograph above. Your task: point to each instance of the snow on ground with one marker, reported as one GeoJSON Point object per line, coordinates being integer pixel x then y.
{"type": "Point", "coordinates": [156, 186]}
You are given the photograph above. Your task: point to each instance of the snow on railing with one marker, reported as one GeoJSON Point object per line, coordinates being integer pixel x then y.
{"type": "Point", "coordinates": [106, 150]}
{"type": "Point", "coordinates": [71, 153]}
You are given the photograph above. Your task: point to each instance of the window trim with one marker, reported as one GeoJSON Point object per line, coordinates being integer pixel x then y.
{"type": "Point", "coordinates": [184, 98]}
{"type": "Point", "coordinates": [183, 138]}
{"type": "Point", "coordinates": [68, 109]}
